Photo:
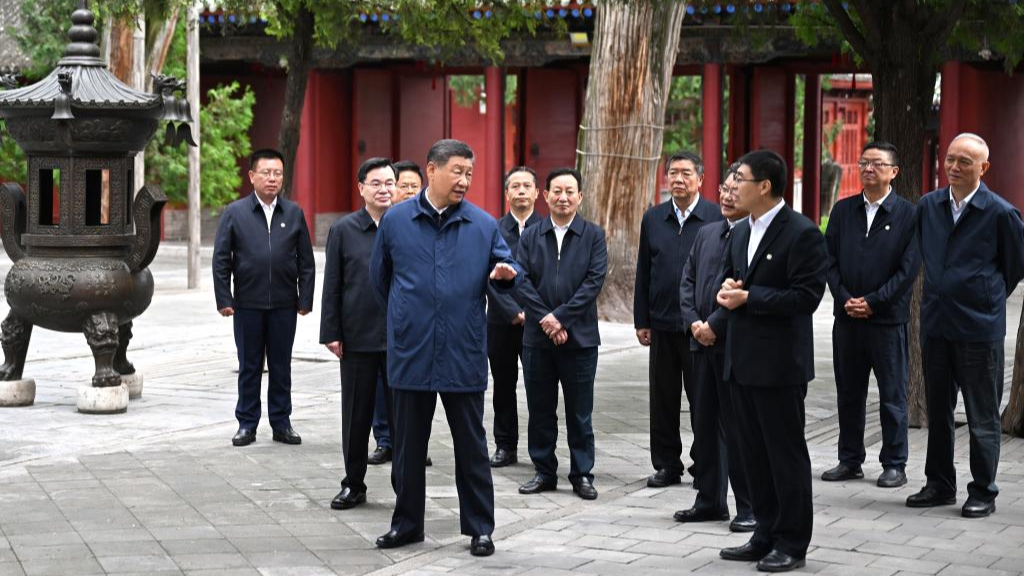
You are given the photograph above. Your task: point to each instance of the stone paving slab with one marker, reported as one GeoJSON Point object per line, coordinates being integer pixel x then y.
{"type": "Point", "coordinates": [160, 490]}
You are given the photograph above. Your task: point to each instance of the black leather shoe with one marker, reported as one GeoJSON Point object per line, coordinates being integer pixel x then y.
{"type": "Point", "coordinates": [394, 540]}
{"type": "Point", "coordinates": [746, 524]}
{"type": "Point", "coordinates": [929, 497]}
{"type": "Point", "coordinates": [503, 457]}
{"type": "Point", "coordinates": [777, 561]}
{"type": "Point", "coordinates": [379, 456]}
{"type": "Point", "coordinates": [287, 435]}
{"type": "Point", "coordinates": [244, 437]}
{"type": "Point", "coordinates": [745, 553]}
{"type": "Point", "coordinates": [481, 545]}
{"type": "Point", "coordinates": [695, 515]}
{"type": "Point", "coordinates": [428, 462]}
{"type": "Point", "coordinates": [584, 488]}
{"type": "Point", "coordinates": [663, 478]}
{"type": "Point", "coordinates": [842, 472]}
{"type": "Point", "coordinates": [892, 478]}
{"type": "Point", "coordinates": [348, 498]}
{"type": "Point", "coordinates": [538, 484]}
{"type": "Point", "coordinates": [975, 508]}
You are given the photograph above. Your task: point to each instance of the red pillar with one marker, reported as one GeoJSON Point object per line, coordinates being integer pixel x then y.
{"type": "Point", "coordinates": [711, 97]}
{"type": "Point", "coordinates": [494, 86]}
{"type": "Point", "coordinates": [949, 118]}
{"type": "Point", "coordinates": [811, 201]}
{"type": "Point", "coordinates": [304, 178]}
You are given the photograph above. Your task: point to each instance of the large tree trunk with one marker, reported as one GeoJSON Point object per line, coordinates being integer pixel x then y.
{"type": "Point", "coordinates": [295, 90]}
{"type": "Point", "coordinates": [1013, 416]}
{"type": "Point", "coordinates": [120, 64]}
{"type": "Point", "coordinates": [631, 63]}
{"type": "Point", "coordinates": [161, 46]}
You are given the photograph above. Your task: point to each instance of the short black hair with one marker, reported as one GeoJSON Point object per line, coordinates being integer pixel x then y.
{"type": "Point", "coordinates": [373, 164]}
{"type": "Point", "coordinates": [767, 165]}
{"type": "Point", "coordinates": [894, 155]}
{"type": "Point", "coordinates": [516, 170]}
{"type": "Point", "coordinates": [693, 157]}
{"type": "Point", "coordinates": [563, 172]}
{"type": "Point", "coordinates": [407, 166]}
{"type": "Point", "coordinates": [444, 150]}
{"type": "Point", "coordinates": [264, 154]}
{"type": "Point", "coordinates": [732, 169]}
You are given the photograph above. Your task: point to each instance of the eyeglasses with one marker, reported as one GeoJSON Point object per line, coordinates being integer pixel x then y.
{"type": "Point", "coordinates": [724, 190]}
{"type": "Point", "coordinates": [739, 180]}
{"type": "Point", "coordinates": [377, 184]}
{"type": "Point", "coordinates": [875, 164]}
{"type": "Point", "coordinates": [408, 186]}
{"type": "Point", "coordinates": [269, 173]}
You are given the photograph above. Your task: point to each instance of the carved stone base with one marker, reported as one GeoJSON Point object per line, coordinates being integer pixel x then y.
{"type": "Point", "coordinates": [17, 393]}
{"type": "Point", "coordinates": [134, 384]}
{"type": "Point", "coordinates": [106, 400]}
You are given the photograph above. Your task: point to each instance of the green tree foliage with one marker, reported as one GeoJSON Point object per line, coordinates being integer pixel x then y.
{"type": "Point", "coordinates": [683, 116]}
{"type": "Point", "coordinates": [42, 35]}
{"type": "Point", "coordinates": [224, 122]}
{"type": "Point", "coordinates": [12, 159]}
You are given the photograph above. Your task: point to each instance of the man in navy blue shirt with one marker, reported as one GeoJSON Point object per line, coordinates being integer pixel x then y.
{"type": "Point", "coordinates": [972, 244]}
{"type": "Point", "coordinates": [666, 237]}
{"type": "Point", "coordinates": [873, 261]}
{"type": "Point", "coordinates": [263, 245]}
{"type": "Point", "coordinates": [565, 259]}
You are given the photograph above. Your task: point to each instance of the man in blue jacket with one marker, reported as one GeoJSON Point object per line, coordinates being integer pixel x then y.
{"type": "Point", "coordinates": [972, 244]}
{"type": "Point", "coordinates": [431, 262]}
{"type": "Point", "coordinates": [715, 435]}
{"type": "Point", "coordinates": [352, 324]}
{"type": "Point", "coordinates": [505, 319]}
{"type": "Point", "coordinates": [666, 237]}
{"type": "Point", "coordinates": [263, 245]}
{"type": "Point", "coordinates": [565, 259]}
{"type": "Point", "coordinates": [873, 261]}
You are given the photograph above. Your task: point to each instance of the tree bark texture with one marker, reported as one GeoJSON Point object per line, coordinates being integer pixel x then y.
{"type": "Point", "coordinates": [120, 63]}
{"type": "Point", "coordinates": [161, 46]}
{"type": "Point", "coordinates": [299, 59]}
{"type": "Point", "coordinates": [634, 51]}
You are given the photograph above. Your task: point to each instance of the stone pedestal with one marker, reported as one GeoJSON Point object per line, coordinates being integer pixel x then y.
{"type": "Point", "coordinates": [134, 384]}
{"type": "Point", "coordinates": [17, 393]}
{"type": "Point", "coordinates": [107, 400]}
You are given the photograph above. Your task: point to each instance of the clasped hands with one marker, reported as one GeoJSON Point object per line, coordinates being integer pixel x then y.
{"type": "Point", "coordinates": [732, 295]}
{"type": "Point", "coordinates": [554, 329]}
{"type": "Point", "coordinates": [703, 333]}
{"type": "Point", "coordinates": [858, 308]}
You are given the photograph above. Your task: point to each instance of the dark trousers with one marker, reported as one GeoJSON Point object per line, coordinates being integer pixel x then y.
{"type": "Point", "coordinates": [670, 375]}
{"type": "Point", "coordinates": [381, 429]}
{"type": "Point", "coordinates": [413, 414]}
{"type": "Point", "coordinates": [263, 334]}
{"type": "Point", "coordinates": [575, 368]}
{"type": "Point", "coordinates": [715, 438]}
{"type": "Point", "coordinates": [777, 465]}
{"type": "Point", "coordinates": [858, 348]}
{"type": "Point", "coordinates": [504, 349]}
{"type": "Point", "coordinates": [360, 374]}
{"type": "Point", "coordinates": [975, 369]}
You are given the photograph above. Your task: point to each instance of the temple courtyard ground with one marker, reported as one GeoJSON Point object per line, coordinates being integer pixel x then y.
{"type": "Point", "coordinates": [160, 489]}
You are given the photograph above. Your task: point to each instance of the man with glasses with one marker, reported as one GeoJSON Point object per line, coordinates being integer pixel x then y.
{"type": "Point", "coordinates": [775, 277]}
{"type": "Point", "coordinates": [666, 237]}
{"type": "Point", "coordinates": [873, 261]}
{"type": "Point", "coordinates": [352, 324]}
{"type": "Point", "coordinates": [263, 245]}
{"type": "Point", "coordinates": [972, 244]}
{"type": "Point", "coordinates": [505, 319]}
{"type": "Point", "coordinates": [715, 438]}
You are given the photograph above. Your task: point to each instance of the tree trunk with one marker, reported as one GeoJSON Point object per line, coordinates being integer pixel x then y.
{"type": "Point", "coordinates": [1013, 416]}
{"type": "Point", "coordinates": [121, 49]}
{"type": "Point", "coordinates": [634, 51]}
{"type": "Point", "coordinates": [295, 91]}
{"type": "Point", "coordinates": [161, 46]}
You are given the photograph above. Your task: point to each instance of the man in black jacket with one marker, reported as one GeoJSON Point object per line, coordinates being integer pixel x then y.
{"type": "Point", "coordinates": [263, 245]}
{"type": "Point", "coordinates": [666, 237]}
{"type": "Point", "coordinates": [715, 438]}
{"type": "Point", "coordinates": [873, 260]}
{"type": "Point", "coordinates": [565, 259]}
{"type": "Point", "coordinates": [505, 319]}
{"type": "Point", "coordinates": [775, 278]}
{"type": "Point", "coordinates": [352, 325]}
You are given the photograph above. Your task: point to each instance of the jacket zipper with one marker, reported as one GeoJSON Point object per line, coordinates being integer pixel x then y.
{"type": "Point", "coordinates": [270, 262]}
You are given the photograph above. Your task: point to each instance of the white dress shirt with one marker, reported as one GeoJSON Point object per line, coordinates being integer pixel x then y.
{"type": "Point", "coordinates": [522, 223]}
{"type": "Point", "coordinates": [560, 233]}
{"type": "Point", "coordinates": [958, 209]}
{"type": "Point", "coordinates": [682, 215]}
{"type": "Point", "coordinates": [759, 227]}
{"type": "Point", "coordinates": [871, 208]}
{"type": "Point", "coordinates": [268, 209]}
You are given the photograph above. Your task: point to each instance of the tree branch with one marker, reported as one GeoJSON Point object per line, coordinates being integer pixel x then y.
{"type": "Point", "coordinates": [868, 14]}
{"type": "Point", "coordinates": [940, 26]}
{"type": "Point", "coordinates": [850, 31]}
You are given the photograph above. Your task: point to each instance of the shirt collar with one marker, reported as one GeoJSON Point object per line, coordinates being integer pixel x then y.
{"type": "Point", "coordinates": [952, 199]}
{"type": "Point", "coordinates": [563, 228]}
{"type": "Point", "coordinates": [766, 219]}
{"type": "Point", "coordinates": [880, 200]}
{"type": "Point", "coordinates": [684, 214]}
